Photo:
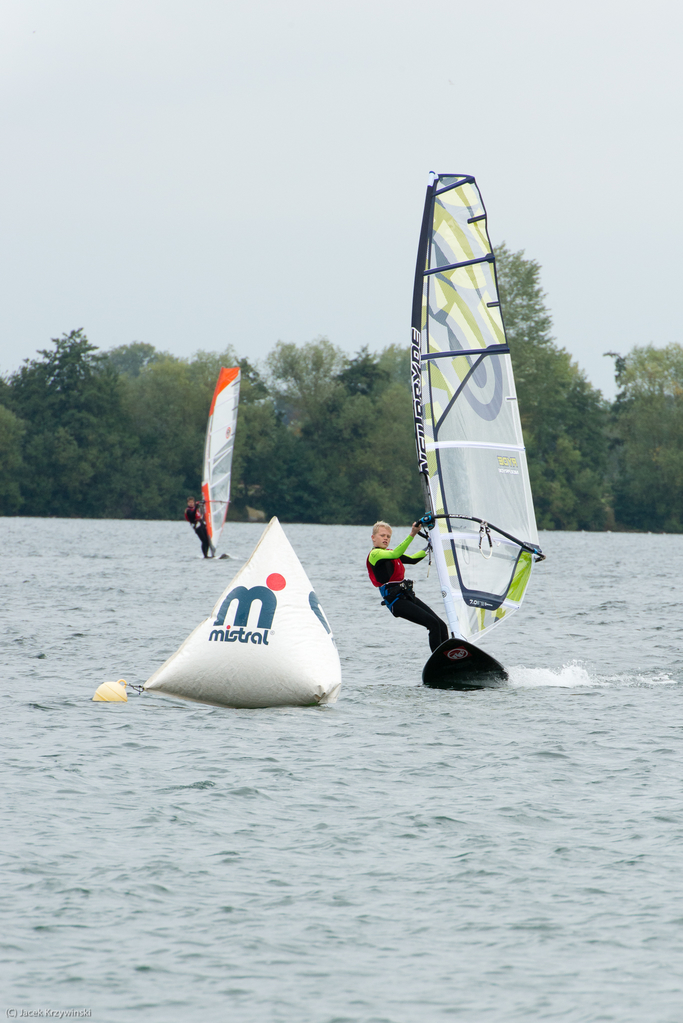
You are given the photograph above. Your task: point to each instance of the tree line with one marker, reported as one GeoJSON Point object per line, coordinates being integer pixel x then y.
{"type": "Point", "coordinates": [327, 437]}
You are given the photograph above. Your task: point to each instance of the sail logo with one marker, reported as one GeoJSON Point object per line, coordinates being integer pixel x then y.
{"type": "Point", "coordinates": [237, 632]}
{"type": "Point", "coordinates": [508, 465]}
{"type": "Point", "coordinates": [418, 413]}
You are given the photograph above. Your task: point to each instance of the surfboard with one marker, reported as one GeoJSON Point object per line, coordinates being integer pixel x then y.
{"type": "Point", "coordinates": [457, 664]}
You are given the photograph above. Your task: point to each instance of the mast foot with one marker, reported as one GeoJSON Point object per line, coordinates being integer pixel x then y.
{"type": "Point", "coordinates": [457, 664]}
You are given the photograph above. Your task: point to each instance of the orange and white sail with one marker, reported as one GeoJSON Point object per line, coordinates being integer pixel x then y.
{"type": "Point", "coordinates": [220, 443]}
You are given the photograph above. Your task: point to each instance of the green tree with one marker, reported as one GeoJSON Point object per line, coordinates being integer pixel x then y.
{"type": "Point", "coordinates": [167, 405]}
{"type": "Point", "coordinates": [267, 467]}
{"type": "Point", "coordinates": [76, 448]}
{"type": "Point", "coordinates": [563, 416]}
{"type": "Point", "coordinates": [304, 380]}
{"type": "Point", "coordinates": [167, 401]}
{"type": "Point", "coordinates": [648, 439]}
{"type": "Point", "coordinates": [12, 431]}
{"type": "Point", "coordinates": [130, 360]}
{"type": "Point", "coordinates": [321, 437]}
{"type": "Point", "coordinates": [351, 424]}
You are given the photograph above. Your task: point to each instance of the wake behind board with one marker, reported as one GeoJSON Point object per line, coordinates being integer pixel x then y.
{"type": "Point", "coordinates": [457, 664]}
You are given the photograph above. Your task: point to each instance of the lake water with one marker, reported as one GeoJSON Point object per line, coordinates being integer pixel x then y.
{"type": "Point", "coordinates": [404, 855]}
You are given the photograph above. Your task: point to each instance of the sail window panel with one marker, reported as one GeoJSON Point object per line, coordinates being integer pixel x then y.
{"type": "Point", "coordinates": [475, 621]}
{"type": "Point", "coordinates": [480, 412]}
{"type": "Point", "coordinates": [521, 578]}
{"type": "Point", "coordinates": [483, 574]}
{"type": "Point", "coordinates": [221, 467]}
{"type": "Point", "coordinates": [478, 230]}
{"type": "Point", "coordinates": [471, 483]}
{"type": "Point", "coordinates": [454, 239]}
{"type": "Point", "coordinates": [447, 180]}
{"type": "Point", "coordinates": [217, 491]}
{"type": "Point", "coordinates": [464, 201]}
{"type": "Point", "coordinates": [222, 451]}
{"type": "Point", "coordinates": [223, 420]}
{"type": "Point", "coordinates": [470, 575]}
{"type": "Point", "coordinates": [449, 559]}
{"type": "Point", "coordinates": [218, 506]}
{"type": "Point", "coordinates": [458, 314]}
{"type": "Point", "coordinates": [465, 587]}
{"type": "Point", "coordinates": [466, 594]}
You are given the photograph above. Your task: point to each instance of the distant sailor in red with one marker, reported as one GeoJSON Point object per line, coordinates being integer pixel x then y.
{"type": "Point", "coordinates": [194, 514]}
{"type": "Point", "coordinates": [386, 571]}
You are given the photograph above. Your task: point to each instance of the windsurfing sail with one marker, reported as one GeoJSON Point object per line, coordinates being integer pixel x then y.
{"type": "Point", "coordinates": [468, 432]}
{"type": "Point", "coordinates": [220, 443]}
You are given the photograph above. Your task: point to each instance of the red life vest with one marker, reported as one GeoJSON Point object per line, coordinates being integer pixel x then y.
{"type": "Point", "coordinates": [397, 576]}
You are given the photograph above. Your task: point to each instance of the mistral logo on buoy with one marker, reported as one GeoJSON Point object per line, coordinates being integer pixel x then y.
{"type": "Point", "coordinates": [237, 632]}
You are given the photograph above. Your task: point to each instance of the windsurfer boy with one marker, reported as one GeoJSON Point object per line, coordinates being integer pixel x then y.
{"type": "Point", "coordinates": [194, 514]}
{"type": "Point", "coordinates": [385, 568]}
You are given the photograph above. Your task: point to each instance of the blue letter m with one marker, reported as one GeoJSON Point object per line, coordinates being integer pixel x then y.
{"type": "Point", "coordinates": [245, 599]}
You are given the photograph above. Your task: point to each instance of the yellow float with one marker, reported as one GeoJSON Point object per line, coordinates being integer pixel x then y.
{"type": "Point", "coordinates": [112, 692]}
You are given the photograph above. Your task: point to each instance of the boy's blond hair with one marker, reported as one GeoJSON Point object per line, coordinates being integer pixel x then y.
{"type": "Point", "coordinates": [379, 523]}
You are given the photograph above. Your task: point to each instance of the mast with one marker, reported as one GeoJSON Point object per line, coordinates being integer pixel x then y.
{"type": "Point", "coordinates": [418, 325]}
{"type": "Point", "coordinates": [415, 343]}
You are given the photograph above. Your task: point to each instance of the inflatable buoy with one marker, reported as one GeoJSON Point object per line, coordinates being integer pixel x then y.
{"type": "Point", "coordinates": [112, 692]}
{"type": "Point", "coordinates": [266, 644]}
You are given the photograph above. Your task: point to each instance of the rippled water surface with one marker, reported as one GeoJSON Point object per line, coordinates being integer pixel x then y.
{"type": "Point", "coordinates": [405, 855]}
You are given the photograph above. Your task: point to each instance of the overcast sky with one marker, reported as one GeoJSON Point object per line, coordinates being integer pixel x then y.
{"type": "Point", "coordinates": [193, 173]}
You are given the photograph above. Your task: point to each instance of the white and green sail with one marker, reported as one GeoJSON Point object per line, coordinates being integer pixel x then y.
{"type": "Point", "coordinates": [469, 436]}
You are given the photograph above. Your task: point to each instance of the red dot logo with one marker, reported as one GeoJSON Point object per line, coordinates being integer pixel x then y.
{"type": "Point", "coordinates": [457, 653]}
{"type": "Point", "coordinates": [275, 581]}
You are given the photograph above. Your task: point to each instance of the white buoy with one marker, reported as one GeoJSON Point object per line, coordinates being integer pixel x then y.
{"type": "Point", "coordinates": [112, 692]}
{"type": "Point", "coordinates": [266, 644]}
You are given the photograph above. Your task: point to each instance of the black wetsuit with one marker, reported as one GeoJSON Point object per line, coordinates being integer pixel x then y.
{"type": "Point", "coordinates": [196, 520]}
{"type": "Point", "coordinates": [387, 573]}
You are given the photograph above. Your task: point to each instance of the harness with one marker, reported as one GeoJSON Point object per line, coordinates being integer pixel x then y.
{"type": "Point", "coordinates": [392, 591]}
{"type": "Point", "coordinates": [397, 585]}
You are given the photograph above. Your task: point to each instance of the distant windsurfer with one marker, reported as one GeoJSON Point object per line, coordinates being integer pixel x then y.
{"type": "Point", "coordinates": [194, 514]}
{"type": "Point", "coordinates": [385, 568]}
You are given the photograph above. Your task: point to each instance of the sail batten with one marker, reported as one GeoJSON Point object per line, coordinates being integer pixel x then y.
{"type": "Point", "coordinates": [468, 431]}
{"type": "Point", "coordinates": [437, 444]}
{"type": "Point", "coordinates": [457, 266]}
{"type": "Point", "coordinates": [490, 350]}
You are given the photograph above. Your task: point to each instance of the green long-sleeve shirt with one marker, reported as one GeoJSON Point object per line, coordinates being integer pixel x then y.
{"type": "Point", "coordinates": [384, 571]}
{"type": "Point", "coordinates": [380, 554]}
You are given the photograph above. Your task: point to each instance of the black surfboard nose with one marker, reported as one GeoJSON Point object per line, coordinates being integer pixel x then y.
{"type": "Point", "coordinates": [457, 664]}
